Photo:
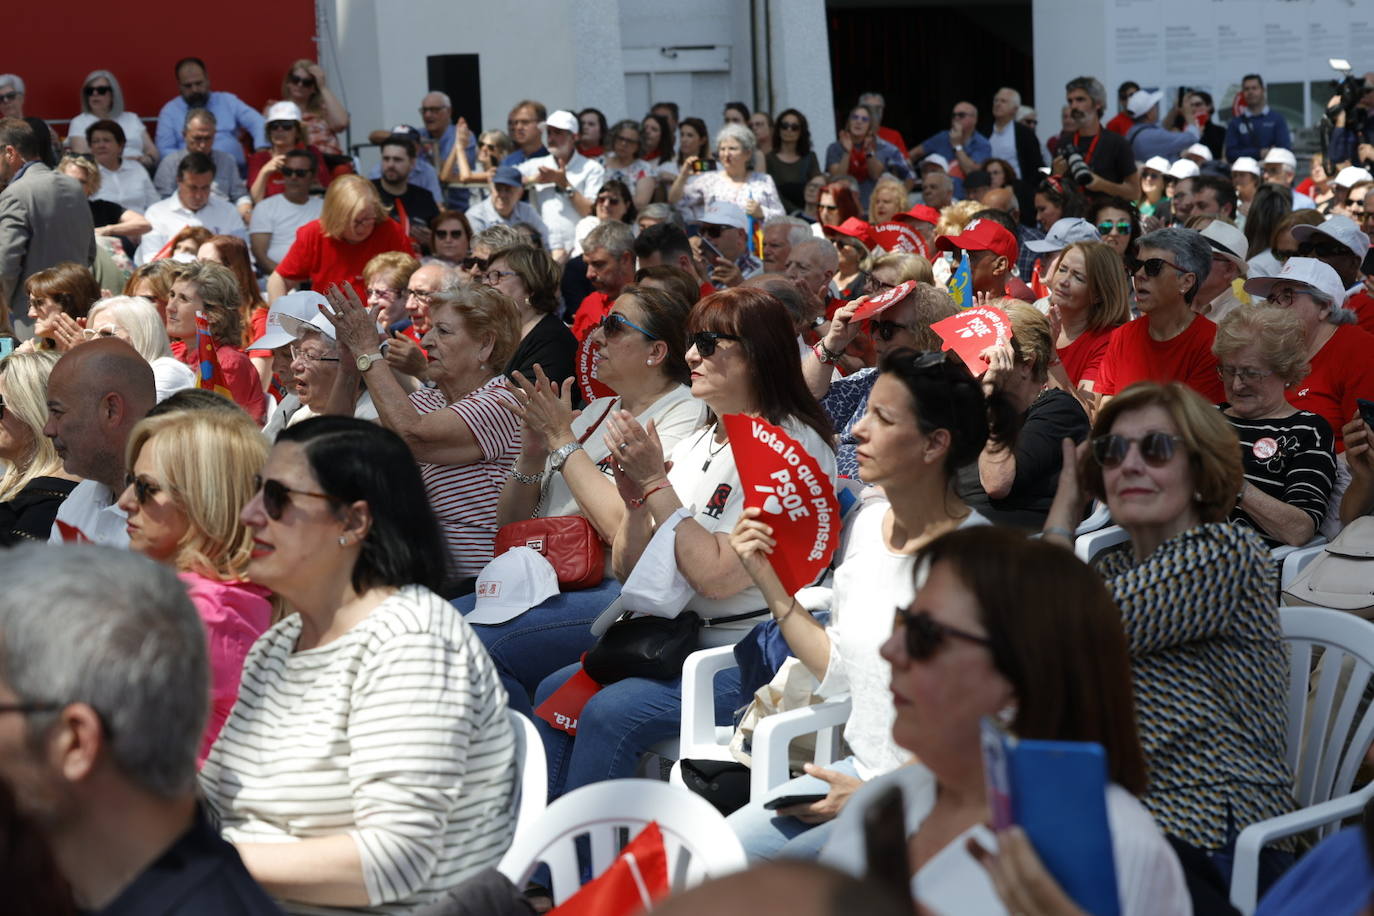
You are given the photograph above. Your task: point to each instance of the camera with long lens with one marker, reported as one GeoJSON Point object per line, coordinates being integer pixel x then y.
{"type": "Point", "coordinates": [1078, 168]}
{"type": "Point", "coordinates": [1351, 90]}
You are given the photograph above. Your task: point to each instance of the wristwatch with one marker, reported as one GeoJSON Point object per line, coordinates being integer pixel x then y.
{"type": "Point", "coordinates": [958, 147]}
{"type": "Point", "coordinates": [560, 457]}
{"type": "Point", "coordinates": [365, 361]}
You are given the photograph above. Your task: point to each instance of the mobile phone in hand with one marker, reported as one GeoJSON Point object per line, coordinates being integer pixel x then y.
{"type": "Point", "coordinates": [704, 165]}
{"type": "Point", "coordinates": [715, 252]}
{"type": "Point", "coordinates": [1366, 411]}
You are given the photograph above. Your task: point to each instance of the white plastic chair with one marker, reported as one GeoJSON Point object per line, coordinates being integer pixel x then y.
{"type": "Point", "coordinates": [696, 838]}
{"type": "Point", "coordinates": [1325, 742]}
{"type": "Point", "coordinates": [1098, 519]}
{"type": "Point", "coordinates": [1089, 545]}
{"type": "Point", "coordinates": [532, 773]}
{"type": "Point", "coordinates": [1295, 559]}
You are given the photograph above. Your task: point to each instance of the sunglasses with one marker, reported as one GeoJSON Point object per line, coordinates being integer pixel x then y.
{"type": "Point", "coordinates": [143, 490]}
{"type": "Point", "coordinates": [1120, 227]}
{"type": "Point", "coordinates": [613, 324]}
{"type": "Point", "coordinates": [713, 232]}
{"type": "Point", "coordinates": [96, 90]}
{"type": "Point", "coordinates": [1322, 249]}
{"type": "Point", "coordinates": [1156, 448]}
{"type": "Point", "coordinates": [706, 342]}
{"type": "Point", "coordinates": [301, 80]}
{"type": "Point", "coordinates": [470, 262]}
{"type": "Point", "coordinates": [294, 173]}
{"type": "Point", "coordinates": [448, 233]}
{"type": "Point", "coordinates": [281, 125]}
{"type": "Point", "coordinates": [8, 97]}
{"type": "Point", "coordinates": [789, 125]}
{"type": "Point", "coordinates": [925, 636]}
{"type": "Point", "coordinates": [886, 330]}
{"type": "Point", "coordinates": [276, 496]}
{"type": "Point", "coordinates": [611, 201]}
{"type": "Point", "coordinates": [1151, 266]}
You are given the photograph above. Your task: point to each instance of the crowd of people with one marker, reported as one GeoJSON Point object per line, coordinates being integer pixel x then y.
{"type": "Point", "coordinates": [314, 399]}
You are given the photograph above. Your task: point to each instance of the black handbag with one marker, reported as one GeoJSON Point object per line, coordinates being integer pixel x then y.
{"type": "Point", "coordinates": [652, 647]}
{"type": "Point", "coordinates": [723, 783]}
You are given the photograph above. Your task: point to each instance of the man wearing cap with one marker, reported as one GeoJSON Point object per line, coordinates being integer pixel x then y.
{"type": "Point", "coordinates": [198, 135]}
{"type": "Point", "coordinates": [1199, 153]}
{"type": "Point", "coordinates": [504, 206]}
{"type": "Point", "coordinates": [1180, 183]}
{"type": "Point", "coordinates": [1216, 298]}
{"type": "Point", "coordinates": [1108, 155]}
{"type": "Point", "coordinates": [1258, 129]}
{"type": "Point", "coordinates": [523, 124]}
{"type": "Point", "coordinates": [563, 185]}
{"type": "Point", "coordinates": [1214, 196]}
{"type": "Point", "coordinates": [275, 220]}
{"type": "Point", "coordinates": [422, 174]}
{"type": "Point", "coordinates": [1339, 353]}
{"type": "Point", "coordinates": [1338, 243]}
{"type": "Point", "coordinates": [961, 143]}
{"type": "Point", "coordinates": [1245, 175]}
{"type": "Point", "coordinates": [1343, 187]}
{"type": "Point", "coordinates": [1280, 167]}
{"type": "Point", "coordinates": [726, 227]}
{"type": "Point", "coordinates": [408, 204]}
{"type": "Point", "coordinates": [1122, 120]}
{"type": "Point", "coordinates": [1147, 138]}
{"type": "Point", "coordinates": [991, 253]}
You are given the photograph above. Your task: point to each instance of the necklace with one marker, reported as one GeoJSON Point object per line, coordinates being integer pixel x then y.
{"type": "Point", "coordinates": [711, 455]}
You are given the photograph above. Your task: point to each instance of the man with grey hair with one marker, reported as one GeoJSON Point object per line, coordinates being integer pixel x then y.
{"type": "Point", "coordinates": [1016, 143]}
{"type": "Point", "coordinates": [937, 189]}
{"type": "Point", "coordinates": [1169, 342]}
{"type": "Point", "coordinates": [609, 250]}
{"type": "Point", "coordinates": [105, 704]}
{"type": "Point", "coordinates": [563, 184]}
{"type": "Point", "coordinates": [779, 235]}
{"type": "Point", "coordinates": [11, 96]}
{"type": "Point", "coordinates": [811, 266]}
{"type": "Point", "coordinates": [1102, 160]}
{"type": "Point", "coordinates": [199, 137]}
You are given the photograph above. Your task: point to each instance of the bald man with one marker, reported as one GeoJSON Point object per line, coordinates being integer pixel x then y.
{"type": "Point", "coordinates": [96, 393]}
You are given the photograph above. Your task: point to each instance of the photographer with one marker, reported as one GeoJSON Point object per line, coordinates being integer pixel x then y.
{"type": "Point", "coordinates": [1098, 160]}
{"type": "Point", "coordinates": [1352, 133]}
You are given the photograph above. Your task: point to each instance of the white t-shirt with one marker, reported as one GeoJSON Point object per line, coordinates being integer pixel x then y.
{"type": "Point", "coordinates": [280, 218]}
{"type": "Point", "coordinates": [89, 515]}
{"type": "Point", "coordinates": [1149, 879]}
{"type": "Point", "coordinates": [128, 121]}
{"type": "Point", "coordinates": [169, 216]}
{"type": "Point", "coordinates": [556, 207]}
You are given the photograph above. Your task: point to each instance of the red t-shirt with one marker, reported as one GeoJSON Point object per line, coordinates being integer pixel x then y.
{"type": "Point", "coordinates": [1342, 371]}
{"type": "Point", "coordinates": [258, 327]}
{"type": "Point", "coordinates": [893, 137]}
{"type": "Point", "coordinates": [1120, 124]}
{"type": "Point", "coordinates": [275, 184]}
{"type": "Point", "coordinates": [1083, 358]}
{"type": "Point", "coordinates": [324, 261]}
{"type": "Point", "coordinates": [596, 306]}
{"type": "Point", "coordinates": [1362, 304]}
{"type": "Point", "coordinates": [245, 386]}
{"type": "Point", "coordinates": [706, 290]}
{"type": "Point", "coordinates": [1133, 356]}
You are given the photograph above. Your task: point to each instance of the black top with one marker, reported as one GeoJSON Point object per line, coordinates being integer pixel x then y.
{"type": "Point", "coordinates": [1039, 458]}
{"type": "Point", "coordinates": [791, 178]}
{"type": "Point", "coordinates": [1292, 459]}
{"type": "Point", "coordinates": [105, 212]}
{"type": "Point", "coordinates": [418, 202]}
{"type": "Point", "coordinates": [200, 875]}
{"type": "Point", "coordinates": [550, 344]}
{"type": "Point", "coordinates": [29, 516]}
{"type": "Point", "coordinates": [1107, 153]}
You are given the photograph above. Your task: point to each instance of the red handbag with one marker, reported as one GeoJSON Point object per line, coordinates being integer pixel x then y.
{"type": "Point", "coordinates": [568, 542]}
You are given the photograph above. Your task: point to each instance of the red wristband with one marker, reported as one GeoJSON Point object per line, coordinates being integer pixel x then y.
{"type": "Point", "coordinates": [638, 503]}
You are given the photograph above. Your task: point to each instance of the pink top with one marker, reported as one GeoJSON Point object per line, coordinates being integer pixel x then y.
{"type": "Point", "coordinates": [235, 614]}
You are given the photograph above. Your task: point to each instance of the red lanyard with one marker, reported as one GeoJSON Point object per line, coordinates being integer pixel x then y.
{"type": "Point", "coordinates": [1088, 155]}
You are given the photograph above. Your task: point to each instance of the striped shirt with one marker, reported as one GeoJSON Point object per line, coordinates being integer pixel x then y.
{"type": "Point", "coordinates": [1292, 459]}
{"type": "Point", "coordinates": [395, 734]}
{"type": "Point", "coordinates": [464, 496]}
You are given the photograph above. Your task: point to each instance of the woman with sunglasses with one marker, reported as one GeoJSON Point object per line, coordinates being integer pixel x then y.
{"type": "Point", "coordinates": [564, 469]}
{"type": "Point", "coordinates": [213, 289]}
{"type": "Point", "coordinates": [530, 277]}
{"type": "Point", "coordinates": [837, 203]}
{"type": "Point", "coordinates": [613, 202]}
{"type": "Point", "coordinates": [1198, 596]}
{"type": "Point", "coordinates": [623, 162]}
{"type": "Point", "coordinates": [859, 152]}
{"type": "Point", "coordinates": [335, 799]}
{"type": "Point", "coordinates": [286, 131]}
{"type": "Point", "coordinates": [191, 472]}
{"type": "Point", "coordinates": [34, 484]}
{"type": "Point", "coordinates": [792, 162]}
{"type": "Point", "coordinates": [102, 98]}
{"type": "Point", "coordinates": [461, 431]}
{"type": "Point", "coordinates": [323, 115]}
{"type": "Point", "coordinates": [59, 299]}
{"type": "Point", "coordinates": [1089, 299]}
{"type": "Point", "coordinates": [1288, 454]}
{"type": "Point", "coordinates": [743, 360]}
{"type": "Point", "coordinates": [452, 235]}
{"type": "Point", "coordinates": [925, 419]}
{"type": "Point", "coordinates": [1117, 222]}
{"type": "Point", "coordinates": [1169, 341]}
{"type": "Point", "coordinates": [1152, 201]}
{"type": "Point", "coordinates": [1015, 629]}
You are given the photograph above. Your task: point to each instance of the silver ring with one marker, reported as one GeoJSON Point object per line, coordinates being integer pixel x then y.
{"type": "Point", "coordinates": [624, 445]}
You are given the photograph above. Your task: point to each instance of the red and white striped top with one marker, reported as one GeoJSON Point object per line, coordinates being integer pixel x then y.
{"type": "Point", "coordinates": [464, 496]}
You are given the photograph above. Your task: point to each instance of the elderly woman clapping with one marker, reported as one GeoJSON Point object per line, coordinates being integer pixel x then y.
{"type": "Point", "coordinates": [1290, 465]}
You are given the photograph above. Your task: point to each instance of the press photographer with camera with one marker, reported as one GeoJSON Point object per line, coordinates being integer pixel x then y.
{"type": "Point", "coordinates": [1098, 160]}
{"type": "Point", "coordinates": [1352, 121]}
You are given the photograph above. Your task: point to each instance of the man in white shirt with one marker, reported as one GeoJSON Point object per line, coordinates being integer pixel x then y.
{"type": "Point", "coordinates": [193, 204]}
{"type": "Point", "coordinates": [563, 184]}
{"type": "Point", "coordinates": [275, 221]}
{"type": "Point", "coordinates": [97, 392]}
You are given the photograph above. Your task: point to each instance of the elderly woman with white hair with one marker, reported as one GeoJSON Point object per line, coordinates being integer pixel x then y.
{"type": "Point", "coordinates": [103, 99]}
{"type": "Point", "coordinates": [135, 320]}
{"type": "Point", "coordinates": [734, 181]}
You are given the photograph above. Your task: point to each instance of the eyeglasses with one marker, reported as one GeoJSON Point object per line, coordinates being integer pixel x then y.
{"type": "Point", "coordinates": [383, 292]}
{"type": "Point", "coordinates": [1247, 375]}
{"type": "Point", "coordinates": [421, 295]}
{"type": "Point", "coordinates": [294, 173]}
{"type": "Point", "coordinates": [1151, 266]}
{"type": "Point", "coordinates": [432, 109]}
{"type": "Point", "coordinates": [1120, 227]}
{"type": "Point", "coordinates": [1288, 295]}
{"type": "Point", "coordinates": [1322, 249]}
{"type": "Point", "coordinates": [1284, 254]}
{"type": "Point", "coordinates": [712, 231]}
{"type": "Point", "coordinates": [143, 490]}
{"type": "Point", "coordinates": [493, 277]}
{"type": "Point", "coordinates": [96, 90]}
{"type": "Point", "coordinates": [789, 125]}
{"type": "Point", "coordinates": [706, 342]}
{"type": "Point", "coordinates": [886, 330]}
{"type": "Point", "coordinates": [613, 324]}
{"type": "Point", "coordinates": [27, 708]}
{"type": "Point", "coordinates": [301, 80]}
{"type": "Point", "coordinates": [611, 201]}
{"type": "Point", "coordinates": [298, 353]}
{"type": "Point", "coordinates": [925, 635]}
{"type": "Point", "coordinates": [1156, 448]}
{"type": "Point", "coordinates": [281, 125]}
{"type": "Point", "coordinates": [276, 496]}
{"type": "Point", "coordinates": [873, 285]}
{"type": "Point", "coordinates": [8, 97]}
{"type": "Point", "coordinates": [448, 233]}
{"type": "Point", "coordinates": [467, 263]}
{"type": "Point", "coordinates": [963, 114]}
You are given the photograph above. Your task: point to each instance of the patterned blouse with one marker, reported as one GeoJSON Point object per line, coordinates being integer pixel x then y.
{"type": "Point", "coordinates": [1211, 672]}
{"type": "Point", "coordinates": [709, 187]}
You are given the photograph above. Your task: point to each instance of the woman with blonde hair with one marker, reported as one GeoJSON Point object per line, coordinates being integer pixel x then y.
{"type": "Point", "coordinates": [322, 113]}
{"type": "Point", "coordinates": [895, 268]}
{"type": "Point", "coordinates": [135, 320]}
{"type": "Point", "coordinates": [34, 484]}
{"type": "Point", "coordinates": [353, 228]}
{"type": "Point", "coordinates": [887, 200]}
{"type": "Point", "coordinates": [213, 289]}
{"type": "Point", "coordinates": [191, 472]}
{"type": "Point", "coordinates": [1089, 298]}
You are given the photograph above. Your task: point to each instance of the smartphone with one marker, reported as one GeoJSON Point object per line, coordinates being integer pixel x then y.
{"type": "Point", "coordinates": [715, 252]}
{"type": "Point", "coordinates": [1056, 791]}
{"type": "Point", "coordinates": [804, 790]}
{"type": "Point", "coordinates": [705, 165]}
{"type": "Point", "coordinates": [1366, 411]}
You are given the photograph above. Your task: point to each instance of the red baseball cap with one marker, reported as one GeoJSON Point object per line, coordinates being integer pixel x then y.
{"type": "Point", "coordinates": [920, 213]}
{"type": "Point", "coordinates": [855, 228]}
{"type": "Point", "coordinates": [981, 235]}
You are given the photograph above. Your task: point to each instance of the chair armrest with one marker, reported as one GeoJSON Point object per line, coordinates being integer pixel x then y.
{"type": "Point", "coordinates": [697, 731]}
{"type": "Point", "coordinates": [1098, 519]}
{"type": "Point", "coordinates": [775, 733]}
{"type": "Point", "coordinates": [1245, 868]}
{"type": "Point", "coordinates": [1296, 560]}
{"type": "Point", "coordinates": [1090, 545]}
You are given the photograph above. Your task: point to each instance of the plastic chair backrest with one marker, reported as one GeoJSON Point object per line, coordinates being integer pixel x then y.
{"type": "Point", "coordinates": [698, 842]}
{"type": "Point", "coordinates": [532, 778]}
{"type": "Point", "coordinates": [1328, 731]}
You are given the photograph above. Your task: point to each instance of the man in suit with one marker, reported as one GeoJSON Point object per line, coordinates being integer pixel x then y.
{"type": "Point", "coordinates": [35, 198]}
{"type": "Point", "coordinates": [1016, 143]}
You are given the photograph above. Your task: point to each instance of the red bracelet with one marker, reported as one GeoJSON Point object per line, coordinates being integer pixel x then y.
{"type": "Point", "coordinates": [638, 503]}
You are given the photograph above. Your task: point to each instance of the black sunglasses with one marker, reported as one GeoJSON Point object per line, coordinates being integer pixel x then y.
{"type": "Point", "coordinates": [448, 233]}
{"type": "Point", "coordinates": [713, 231]}
{"type": "Point", "coordinates": [294, 173]}
{"type": "Point", "coordinates": [613, 324]}
{"type": "Point", "coordinates": [97, 90]}
{"type": "Point", "coordinates": [706, 342]}
{"type": "Point", "coordinates": [276, 496]}
{"type": "Point", "coordinates": [886, 330]}
{"type": "Point", "coordinates": [1156, 448]}
{"type": "Point", "coordinates": [143, 490]}
{"type": "Point", "coordinates": [1151, 266]}
{"type": "Point", "coordinates": [925, 635]}
{"type": "Point", "coordinates": [789, 125]}
{"type": "Point", "coordinates": [470, 262]}
{"type": "Point", "coordinates": [8, 97]}
{"type": "Point", "coordinates": [281, 125]}
{"type": "Point", "coordinates": [302, 80]}
{"type": "Point", "coordinates": [1322, 249]}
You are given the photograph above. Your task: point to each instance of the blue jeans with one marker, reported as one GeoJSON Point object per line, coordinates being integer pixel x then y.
{"type": "Point", "coordinates": [618, 724]}
{"type": "Point", "coordinates": [765, 835]}
{"type": "Point", "coordinates": [543, 639]}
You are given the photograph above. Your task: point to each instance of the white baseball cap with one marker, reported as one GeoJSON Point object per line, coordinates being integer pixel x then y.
{"type": "Point", "coordinates": [1308, 272]}
{"type": "Point", "coordinates": [1246, 164]}
{"type": "Point", "coordinates": [1340, 228]}
{"type": "Point", "coordinates": [1157, 164]}
{"type": "Point", "coordinates": [283, 111]}
{"type": "Point", "coordinates": [1141, 101]}
{"type": "Point", "coordinates": [1352, 175]}
{"type": "Point", "coordinates": [724, 213]}
{"type": "Point", "coordinates": [316, 322]}
{"type": "Point", "coordinates": [1280, 156]}
{"type": "Point", "coordinates": [1064, 233]}
{"type": "Point", "coordinates": [1227, 241]}
{"type": "Point", "coordinates": [936, 159]}
{"type": "Point", "coordinates": [511, 584]}
{"type": "Point", "coordinates": [302, 306]}
{"type": "Point", "coordinates": [1199, 150]}
{"type": "Point", "coordinates": [563, 120]}
{"type": "Point", "coordinates": [1184, 168]}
